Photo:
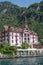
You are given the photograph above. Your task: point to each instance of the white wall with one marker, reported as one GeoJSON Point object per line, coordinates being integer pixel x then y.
{"type": "Point", "coordinates": [35, 39]}
{"type": "Point", "coordinates": [10, 39]}
{"type": "Point", "coordinates": [31, 39]}
{"type": "Point", "coordinates": [19, 39]}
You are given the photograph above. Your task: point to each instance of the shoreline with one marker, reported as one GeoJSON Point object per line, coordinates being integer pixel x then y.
{"type": "Point", "coordinates": [28, 56]}
{"type": "Point", "coordinates": [23, 53]}
{"type": "Point", "coordinates": [21, 57]}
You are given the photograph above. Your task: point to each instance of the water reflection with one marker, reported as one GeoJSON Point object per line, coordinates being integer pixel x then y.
{"type": "Point", "coordinates": [22, 61]}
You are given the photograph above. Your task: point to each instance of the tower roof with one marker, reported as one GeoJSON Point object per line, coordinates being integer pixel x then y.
{"type": "Point", "coordinates": [5, 27]}
{"type": "Point", "coordinates": [25, 23]}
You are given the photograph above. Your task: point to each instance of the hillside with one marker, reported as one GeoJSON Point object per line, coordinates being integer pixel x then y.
{"type": "Point", "coordinates": [11, 15]}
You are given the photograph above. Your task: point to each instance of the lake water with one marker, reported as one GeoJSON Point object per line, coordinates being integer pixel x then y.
{"type": "Point", "coordinates": [22, 61]}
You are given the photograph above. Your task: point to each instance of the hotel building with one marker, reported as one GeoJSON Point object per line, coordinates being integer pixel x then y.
{"type": "Point", "coordinates": [15, 36]}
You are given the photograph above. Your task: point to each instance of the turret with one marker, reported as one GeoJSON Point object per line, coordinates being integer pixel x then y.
{"type": "Point", "coordinates": [25, 19]}
{"type": "Point", "coordinates": [25, 23]}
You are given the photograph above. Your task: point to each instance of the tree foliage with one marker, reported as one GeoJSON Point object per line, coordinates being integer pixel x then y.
{"type": "Point", "coordinates": [25, 45]}
{"type": "Point", "coordinates": [6, 49]}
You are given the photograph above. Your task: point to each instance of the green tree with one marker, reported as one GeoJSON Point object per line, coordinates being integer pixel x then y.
{"type": "Point", "coordinates": [25, 45]}
{"type": "Point", "coordinates": [5, 48]}
{"type": "Point", "coordinates": [13, 49]}
{"type": "Point", "coordinates": [4, 44]}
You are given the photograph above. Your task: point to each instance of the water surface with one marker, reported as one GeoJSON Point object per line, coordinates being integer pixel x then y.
{"type": "Point", "coordinates": [22, 61]}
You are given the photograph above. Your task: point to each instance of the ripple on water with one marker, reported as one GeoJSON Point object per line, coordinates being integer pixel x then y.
{"type": "Point", "coordinates": [22, 61]}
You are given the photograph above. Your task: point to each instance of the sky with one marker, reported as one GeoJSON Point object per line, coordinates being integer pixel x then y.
{"type": "Point", "coordinates": [22, 3]}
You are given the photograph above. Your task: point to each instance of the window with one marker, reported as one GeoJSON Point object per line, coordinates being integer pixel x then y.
{"type": "Point", "coordinates": [25, 38]}
{"type": "Point", "coordinates": [16, 43]}
{"type": "Point", "coordinates": [20, 41]}
{"type": "Point", "coordinates": [25, 34]}
{"type": "Point", "coordinates": [28, 34]}
{"type": "Point", "coordinates": [25, 41]}
{"type": "Point", "coordinates": [12, 37]}
{"type": "Point", "coordinates": [28, 39]}
{"type": "Point", "coordinates": [12, 41]}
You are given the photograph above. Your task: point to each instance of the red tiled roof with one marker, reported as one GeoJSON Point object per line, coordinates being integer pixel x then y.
{"type": "Point", "coordinates": [19, 30]}
{"type": "Point", "coordinates": [12, 29]}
